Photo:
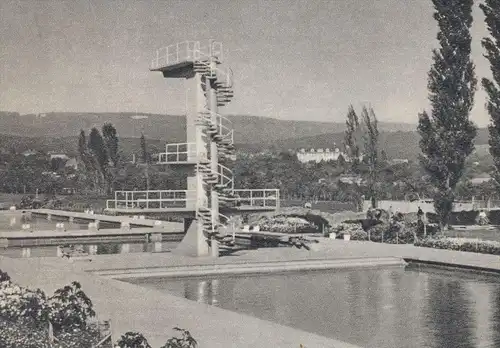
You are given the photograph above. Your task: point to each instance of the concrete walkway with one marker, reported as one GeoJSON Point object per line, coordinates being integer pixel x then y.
{"type": "Point", "coordinates": [327, 249]}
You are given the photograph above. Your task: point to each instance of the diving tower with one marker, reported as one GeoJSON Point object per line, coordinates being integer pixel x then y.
{"type": "Point", "coordinates": [210, 197]}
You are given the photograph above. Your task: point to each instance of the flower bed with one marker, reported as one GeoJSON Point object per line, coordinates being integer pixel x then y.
{"type": "Point", "coordinates": [286, 224]}
{"type": "Point", "coordinates": [461, 244]}
{"type": "Point", "coordinates": [26, 315]}
{"type": "Point", "coordinates": [354, 229]}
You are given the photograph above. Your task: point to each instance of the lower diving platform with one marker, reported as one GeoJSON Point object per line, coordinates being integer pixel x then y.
{"type": "Point", "coordinates": [183, 202]}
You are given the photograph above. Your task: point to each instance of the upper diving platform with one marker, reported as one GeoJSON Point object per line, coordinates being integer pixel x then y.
{"type": "Point", "coordinates": [178, 60]}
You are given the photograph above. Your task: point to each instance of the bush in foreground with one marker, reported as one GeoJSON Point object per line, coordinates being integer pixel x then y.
{"type": "Point", "coordinates": [461, 244]}
{"type": "Point", "coordinates": [26, 315]}
{"type": "Point", "coordinates": [133, 340]}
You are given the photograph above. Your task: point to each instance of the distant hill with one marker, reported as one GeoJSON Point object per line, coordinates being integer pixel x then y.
{"type": "Point", "coordinates": [58, 131]}
{"type": "Point", "coordinates": [398, 144]}
{"type": "Point", "coordinates": [68, 145]}
{"type": "Point", "coordinates": [171, 128]}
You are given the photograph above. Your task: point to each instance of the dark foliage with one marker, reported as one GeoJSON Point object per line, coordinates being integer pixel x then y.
{"type": "Point", "coordinates": [447, 134]}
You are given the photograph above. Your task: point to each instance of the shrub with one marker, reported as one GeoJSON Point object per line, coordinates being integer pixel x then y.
{"type": "Point", "coordinates": [286, 224]}
{"type": "Point", "coordinates": [355, 229]}
{"type": "Point", "coordinates": [185, 341]}
{"type": "Point", "coordinates": [4, 277]}
{"type": "Point", "coordinates": [133, 340]}
{"type": "Point", "coordinates": [17, 303]}
{"type": "Point", "coordinates": [70, 308]}
{"type": "Point", "coordinates": [359, 235]}
{"type": "Point", "coordinates": [21, 333]}
{"type": "Point", "coordinates": [399, 232]}
{"type": "Point", "coordinates": [25, 315]}
{"type": "Point", "coordinates": [461, 244]}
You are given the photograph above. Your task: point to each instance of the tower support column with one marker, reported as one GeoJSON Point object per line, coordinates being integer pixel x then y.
{"type": "Point", "coordinates": [194, 242]}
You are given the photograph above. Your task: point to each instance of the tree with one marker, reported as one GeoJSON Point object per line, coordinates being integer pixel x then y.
{"type": "Point", "coordinates": [371, 149]}
{"type": "Point", "coordinates": [144, 151]}
{"type": "Point", "coordinates": [82, 144]}
{"type": "Point", "coordinates": [351, 136]}
{"type": "Point", "coordinates": [491, 9]}
{"type": "Point", "coordinates": [383, 156]}
{"type": "Point", "coordinates": [111, 141]}
{"type": "Point", "coordinates": [97, 148]}
{"type": "Point", "coordinates": [99, 158]}
{"type": "Point", "coordinates": [447, 134]}
{"type": "Point", "coordinates": [57, 164]}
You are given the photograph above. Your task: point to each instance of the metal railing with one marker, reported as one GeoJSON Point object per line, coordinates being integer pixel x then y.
{"type": "Point", "coordinates": [185, 51]}
{"type": "Point", "coordinates": [224, 125]}
{"type": "Point", "coordinates": [223, 174]}
{"type": "Point", "coordinates": [153, 199]}
{"type": "Point", "coordinates": [269, 198]}
{"type": "Point", "coordinates": [226, 177]}
{"type": "Point", "coordinates": [180, 152]}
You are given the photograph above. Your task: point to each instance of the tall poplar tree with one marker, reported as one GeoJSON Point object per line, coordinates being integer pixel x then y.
{"type": "Point", "coordinates": [447, 134]}
{"type": "Point", "coordinates": [110, 138]}
{"type": "Point", "coordinates": [351, 136]}
{"type": "Point", "coordinates": [371, 151]}
{"type": "Point", "coordinates": [82, 144]}
{"type": "Point", "coordinates": [491, 45]}
{"type": "Point", "coordinates": [144, 151]}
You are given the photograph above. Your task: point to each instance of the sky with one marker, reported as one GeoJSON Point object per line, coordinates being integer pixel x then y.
{"type": "Point", "coordinates": [292, 59]}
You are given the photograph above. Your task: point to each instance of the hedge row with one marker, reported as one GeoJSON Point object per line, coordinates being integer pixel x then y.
{"type": "Point", "coordinates": [461, 244]}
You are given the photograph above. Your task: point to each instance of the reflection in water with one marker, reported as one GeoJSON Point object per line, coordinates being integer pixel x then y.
{"type": "Point", "coordinates": [97, 249]}
{"type": "Point", "coordinates": [390, 308]}
{"type": "Point", "coordinates": [495, 315]}
{"type": "Point", "coordinates": [450, 318]}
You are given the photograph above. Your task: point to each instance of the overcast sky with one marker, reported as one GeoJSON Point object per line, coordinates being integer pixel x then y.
{"type": "Point", "coordinates": [300, 60]}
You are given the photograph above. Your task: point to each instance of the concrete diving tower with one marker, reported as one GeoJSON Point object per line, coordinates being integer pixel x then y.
{"type": "Point", "coordinates": [210, 197]}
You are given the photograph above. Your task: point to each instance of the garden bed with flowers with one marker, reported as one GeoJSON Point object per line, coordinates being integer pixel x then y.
{"type": "Point", "coordinates": [461, 244]}
{"type": "Point", "coordinates": [30, 319]}
{"type": "Point", "coordinates": [286, 224]}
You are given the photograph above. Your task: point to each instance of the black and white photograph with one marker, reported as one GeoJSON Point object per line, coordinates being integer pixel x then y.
{"type": "Point", "coordinates": [249, 173]}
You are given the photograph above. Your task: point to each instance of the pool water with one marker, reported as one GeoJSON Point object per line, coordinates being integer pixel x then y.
{"type": "Point", "coordinates": [101, 249]}
{"type": "Point", "coordinates": [395, 307]}
{"type": "Point", "coordinates": [13, 221]}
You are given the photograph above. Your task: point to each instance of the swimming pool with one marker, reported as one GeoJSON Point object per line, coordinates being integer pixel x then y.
{"type": "Point", "coordinates": [13, 221]}
{"type": "Point", "coordinates": [400, 308]}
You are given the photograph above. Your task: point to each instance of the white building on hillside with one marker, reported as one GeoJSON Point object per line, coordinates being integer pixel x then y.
{"type": "Point", "coordinates": [319, 155]}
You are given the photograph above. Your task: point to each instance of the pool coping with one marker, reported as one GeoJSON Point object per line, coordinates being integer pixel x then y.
{"type": "Point", "coordinates": [250, 268]}
{"type": "Point", "coordinates": [452, 266]}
